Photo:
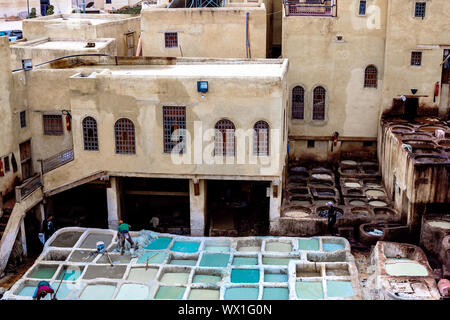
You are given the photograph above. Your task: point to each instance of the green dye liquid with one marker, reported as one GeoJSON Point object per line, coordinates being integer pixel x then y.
{"type": "Point", "coordinates": [159, 244]}
{"type": "Point", "coordinates": [336, 289]}
{"type": "Point", "coordinates": [156, 258]}
{"type": "Point", "coordinates": [204, 294]}
{"type": "Point", "coordinates": [131, 291]}
{"type": "Point", "coordinates": [275, 277]}
{"type": "Point", "coordinates": [406, 269]}
{"type": "Point", "coordinates": [181, 246]}
{"type": "Point", "coordinates": [214, 260]}
{"type": "Point", "coordinates": [276, 261]}
{"type": "Point", "coordinates": [278, 247]}
{"type": "Point", "coordinates": [332, 246]}
{"type": "Point", "coordinates": [142, 275]}
{"type": "Point", "coordinates": [309, 290]}
{"type": "Point", "coordinates": [203, 278]}
{"type": "Point", "coordinates": [245, 275]}
{"type": "Point", "coordinates": [175, 278]}
{"type": "Point", "coordinates": [43, 272]}
{"type": "Point", "coordinates": [98, 292]}
{"type": "Point", "coordinates": [250, 249]}
{"type": "Point", "coordinates": [241, 293]}
{"type": "Point", "coordinates": [170, 293]}
{"type": "Point", "coordinates": [241, 261]}
{"type": "Point", "coordinates": [308, 244]}
{"type": "Point", "coordinates": [217, 249]}
{"type": "Point", "coordinates": [275, 294]}
{"type": "Point", "coordinates": [183, 262]}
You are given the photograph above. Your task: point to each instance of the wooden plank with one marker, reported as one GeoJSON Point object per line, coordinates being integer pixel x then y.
{"type": "Point", "coordinates": [157, 193]}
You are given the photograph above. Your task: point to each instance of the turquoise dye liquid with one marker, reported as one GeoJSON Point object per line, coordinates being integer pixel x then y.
{"type": "Point", "coordinates": [70, 275]}
{"type": "Point", "coordinates": [214, 260]}
{"type": "Point", "coordinates": [27, 291]}
{"type": "Point", "coordinates": [181, 246]}
{"type": "Point", "coordinates": [204, 294]}
{"type": "Point", "coordinates": [339, 289]}
{"type": "Point", "coordinates": [159, 244]}
{"type": "Point", "coordinates": [170, 292]}
{"type": "Point", "coordinates": [64, 290]}
{"type": "Point", "coordinates": [131, 291]}
{"type": "Point", "coordinates": [275, 294]}
{"type": "Point", "coordinates": [275, 277]}
{"type": "Point", "coordinates": [245, 275]}
{"type": "Point", "coordinates": [241, 293]}
{"type": "Point", "coordinates": [308, 244]}
{"type": "Point", "coordinates": [43, 272]}
{"type": "Point", "coordinates": [183, 262]}
{"type": "Point", "coordinates": [203, 278]}
{"type": "Point", "coordinates": [309, 290]}
{"type": "Point", "coordinates": [242, 261]}
{"type": "Point", "coordinates": [217, 249]}
{"type": "Point", "coordinates": [156, 258]}
{"type": "Point", "coordinates": [98, 292]}
{"type": "Point", "coordinates": [332, 246]}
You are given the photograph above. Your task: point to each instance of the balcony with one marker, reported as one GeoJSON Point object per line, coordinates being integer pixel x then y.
{"type": "Point", "coordinates": [316, 8]}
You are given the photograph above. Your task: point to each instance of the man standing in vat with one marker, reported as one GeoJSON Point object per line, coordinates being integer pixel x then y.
{"type": "Point", "coordinates": [123, 233]}
{"type": "Point", "coordinates": [331, 217]}
{"type": "Point", "coordinates": [48, 227]}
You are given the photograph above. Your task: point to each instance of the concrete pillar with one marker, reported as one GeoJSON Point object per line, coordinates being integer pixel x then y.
{"type": "Point", "coordinates": [275, 201]}
{"type": "Point", "coordinates": [42, 214]}
{"type": "Point", "coordinates": [23, 238]}
{"type": "Point", "coordinates": [197, 204]}
{"type": "Point", "coordinates": [444, 101]}
{"type": "Point", "coordinates": [113, 199]}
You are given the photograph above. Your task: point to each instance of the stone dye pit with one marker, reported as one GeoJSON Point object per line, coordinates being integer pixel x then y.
{"type": "Point", "coordinates": [219, 268]}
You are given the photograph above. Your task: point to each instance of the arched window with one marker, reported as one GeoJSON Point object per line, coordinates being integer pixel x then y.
{"type": "Point", "coordinates": [370, 77]}
{"type": "Point", "coordinates": [261, 139]}
{"type": "Point", "coordinates": [319, 96]}
{"type": "Point", "coordinates": [125, 140]}
{"type": "Point", "coordinates": [90, 136]}
{"type": "Point", "coordinates": [224, 140]}
{"type": "Point", "coordinates": [298, 103]}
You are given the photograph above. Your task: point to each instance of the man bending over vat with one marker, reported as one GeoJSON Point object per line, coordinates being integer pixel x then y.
{"type": "Point", "coordinates": [331, 217]}
{"type": "Point", "coordinates": [43, 288]}
{"type": "Point", "coordinates": [123, 233]}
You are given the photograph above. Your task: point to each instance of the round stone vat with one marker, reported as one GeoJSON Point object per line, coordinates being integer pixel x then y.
{"type": "Point", "coordinates": [445, 143]}
{"type": "Point", "coordinates": [297, 212]}
{"type": "Point", "coordinates": [296, 178]}
{"type": "Point", "coordinates": [349, 170]}
{"type": "Point", "coordinates": [298, 191]}
{"type": "Point", "coordinates": [354, 192]}
{"type": "Point", "coordinates": [426, 151]}
{"type": "Point", "coordinates": [401, 129]}
{"type": "Point", "coordinates": [325, 192]}
{"type": "Point", "coordinates": [416, 136]}
{"type": "Point", "coordinates": [375, 193]}
{"type": "Point", "coordinates": [420, 143]}
{"type": "Point", "coordinates": [300, 200]}
{"type": "Point", "coordinates": [430, 159]}
{"type": "Point", "coordinates": [323, 212]}
{"type": "Point", "coordinates": [370, 169]}
{"type": "Point", "coordinates": [323, 202]}
{"type": "Point", "coordinates": [321, 176]}
{"type": "Point", "coordinates": [357, 202]}
{"type": "Point", "coordinates": [383, 212]}
{"type": "Point", "coordinates": [349, 162]}
{"type": "Point", "coordinates": [432, 128]}
{"type": "Point", "coordinates": [352, 184]}
{"type": "Point", "coordinates": [320, 183]}
{"type": "Point", "coordinates": [378, 203]}
{"type": "Point", "coordinates": [361, 211]}
{"type": "Point", "coordinates": [296, 184]}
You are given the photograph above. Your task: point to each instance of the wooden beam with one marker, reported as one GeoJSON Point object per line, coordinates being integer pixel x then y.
{"type": "Point", "coordinates": [329, 138]}
{"type": "Point", "coordinates": [157, 193]}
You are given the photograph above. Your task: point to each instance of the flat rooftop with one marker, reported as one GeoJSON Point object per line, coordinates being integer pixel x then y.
{"type": "Point", "coordinates": [85, 19]}
{"type": "Point", "coordinates": [63, 44]}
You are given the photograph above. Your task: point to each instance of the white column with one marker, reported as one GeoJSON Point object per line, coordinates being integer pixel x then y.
{"type": "Point", "coordinates": [275, 202]}
{"type": "Point", "coordinates": [197, 207]}
{"type": "Point", "coordinates": [42, 212]}
{"type": "Point", "coordinates": [23, 238]}
{"type": "Point", "coordinates": [113, 199]}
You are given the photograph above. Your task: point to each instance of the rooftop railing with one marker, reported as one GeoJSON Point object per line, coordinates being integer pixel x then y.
{"type": "Point", "coordinates": [317, 8]}
{"type": "Point", "coordinates": [28, 187]}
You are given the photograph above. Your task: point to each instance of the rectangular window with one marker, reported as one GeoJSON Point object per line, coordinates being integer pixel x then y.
{"type": "Point", "coordinates": [129, 38]}
{"type": "Point", "coordinates": [53, 125]}
{"type": "Point", "coordinates": [416, 58]}
{"type": "Point", "coordinates": [171, 39]}
{"type": "Point", "coordinates": [362, 8]}
{"type": "Point", "coordinates": [6, 162]}
{"type": "Point", "coordinates": [311, 143]}
{"type": "Point", "coordinates": [23, 119]}
{"type": "Point", "coordinates": [419, 11]}
{"type": "Point", "coordinates": [174, 119]}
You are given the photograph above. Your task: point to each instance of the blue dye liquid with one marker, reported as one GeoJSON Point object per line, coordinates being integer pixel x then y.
{"type": "Point", "coordinates": [170, 292]}
{"type": "Point", "coordinates": [275, 294]}
{"type": "Point", "coordinates": [181, 246]}
{"type": "Point", "coordinates": [214, 260]}
{"type": "Point", "coordinates": [159, 244]}
{"type": "Point", "coordinates": [240, 261]}
{"type": "Point", "coordinates": [274, 277]}
{"type": "Point", "coordinates": [241, 293]}
{"type": "Point", "coordinates": [70, 275]}
{"type": "Point", "coordinates": [156, 258]}
{"type": "Point", "coordinates": [244, 275]}
{"type": "Point", "coordinates": [308, 244]}
{"type": "Point", "coordinates": [27, 291]}
{"type": "Point", "coordinates": [339, 289]}
{"type": "Point", "coordinates": [332, 246]}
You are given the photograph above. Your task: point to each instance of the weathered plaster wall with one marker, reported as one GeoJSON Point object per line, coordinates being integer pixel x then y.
{"type": "Point", "coordinates": [205, 32]}
{"type": "Point", "coordinates": [13, 7]}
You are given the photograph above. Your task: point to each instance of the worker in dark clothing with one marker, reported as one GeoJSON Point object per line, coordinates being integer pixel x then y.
{"type": "Point", "coordinates": [331, 217]}
{"type": "Point", "coordinates": [42, 289]}
{"type": "Point", "coordinates": [123, 233]}
{"type": "Point", "coordinates": [48, 227]}
{"type": "Point", "coordinates": [44, 7]}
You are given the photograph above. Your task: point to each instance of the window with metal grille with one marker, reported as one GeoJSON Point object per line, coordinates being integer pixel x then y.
{"type": "Point", "coordinates": [6, 162]}
{"type": "Point", "coordinates": [319, 96]}
{"type": "Point", "coordinates": [362, 8]}
{"type": "Point", "coordinates": [129, 38]}
{"type": "Point", "coordinates": [416, 58]}
{"type": "Point", "coordinates": [171, 39]}
{"type": "Point", "coordinates": [224, 138]}
{"type": "Point", "coordinates": [23, 119]}
{"type": "Point", "coordinates": [125, 139]}
{"type": "Point", "coordinates": [90, 136]}
{"type": "Point", "coordinates": [298, 103]}
{"type": "Point", "coordinates": [261, 139]}
{"type": "Point", "coordinates": [419, 11]}
{"type": "Point", "coordinates": [174, 119]}
{"type": "Point", "coordinates": [370, 77]}
{"type": "Point", "coordinates": [53, 125]}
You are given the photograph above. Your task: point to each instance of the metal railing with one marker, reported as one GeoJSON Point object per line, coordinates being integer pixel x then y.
{"type": "Point", "coordinates": [57, 160]}
{"type": "Point", "coordinates": [28, 187]}
{"type": "Point", "coordinates": [302, 8]}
